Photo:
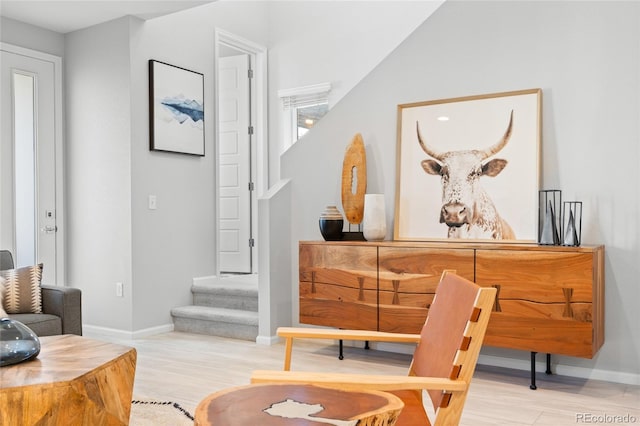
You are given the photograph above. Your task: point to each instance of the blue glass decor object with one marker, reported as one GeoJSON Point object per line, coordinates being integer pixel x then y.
{"type": "Point", "coordinates": [17, 342]}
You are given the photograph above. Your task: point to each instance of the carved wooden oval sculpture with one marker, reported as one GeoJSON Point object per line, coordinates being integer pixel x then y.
{"type": "Point", "coordinates": [354, 180]}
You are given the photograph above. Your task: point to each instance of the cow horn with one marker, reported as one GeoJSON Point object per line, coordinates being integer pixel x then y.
{"type": "Point", "coordinates": [425, 148]}
{"type": "Point", "coordinates": [500, 144]}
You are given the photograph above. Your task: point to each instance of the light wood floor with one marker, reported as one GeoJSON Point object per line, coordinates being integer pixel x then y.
{"type": "Point", "coordinates": [185, 368]}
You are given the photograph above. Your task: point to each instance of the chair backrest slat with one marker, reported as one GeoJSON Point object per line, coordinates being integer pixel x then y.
{"type": "Point", "coordinates": [443, 331]}
{"type": "Point", "coordinates": [455, 323]}
{"type": "Point", "coordinates": [466, 358]}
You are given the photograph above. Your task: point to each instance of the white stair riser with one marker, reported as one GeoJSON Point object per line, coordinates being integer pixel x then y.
{"type": "Point", "coordinates": [216, 300]}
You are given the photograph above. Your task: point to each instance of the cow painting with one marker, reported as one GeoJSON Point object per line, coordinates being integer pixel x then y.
{"type": "Point", "coordinates": [467, 209]}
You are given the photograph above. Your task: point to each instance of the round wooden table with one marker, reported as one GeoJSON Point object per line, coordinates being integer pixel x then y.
{"type": "Point", "coordinates": [74, 381]}
{"type": "Point", "coordinates": [287, 404]}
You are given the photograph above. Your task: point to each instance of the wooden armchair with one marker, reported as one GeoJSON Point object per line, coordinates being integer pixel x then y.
{"type": "Point", "coordinates": [443, 362]}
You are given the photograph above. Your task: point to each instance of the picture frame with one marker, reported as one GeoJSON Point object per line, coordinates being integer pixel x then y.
{"type": "Point", "coordinates": [176, 109]}
{"type": "Point", "coordinates": [476, 174]}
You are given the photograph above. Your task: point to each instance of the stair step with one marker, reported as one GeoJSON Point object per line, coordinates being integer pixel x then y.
{"type": "Point", "coordinates": [234, 316]}
{"type": "Point", "coordinates": [234, 323]}
{"type": "Point", "coordinates": [234, 288]}
{"type": "Point", "coordinates": [235, 295]}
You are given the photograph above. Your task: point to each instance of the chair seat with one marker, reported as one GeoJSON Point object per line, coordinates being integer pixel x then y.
{"type": "Point", "coordinates": [413, 413]}
{"type": "Point", "coordinates": [40, 324]}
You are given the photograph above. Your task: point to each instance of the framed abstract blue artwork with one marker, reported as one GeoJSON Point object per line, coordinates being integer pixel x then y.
{"type": "Point", "coordinates": [176, 109]}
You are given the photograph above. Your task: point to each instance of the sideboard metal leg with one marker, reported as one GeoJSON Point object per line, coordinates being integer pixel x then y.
{"type": "Point", "coordinates": [548, 371]}
{"type": "Point", "coordinates": [366, 344]}
{"type": "Point", "coordinates": [341, 356]}
{"type": "Point", "coordinates": [533, 386]}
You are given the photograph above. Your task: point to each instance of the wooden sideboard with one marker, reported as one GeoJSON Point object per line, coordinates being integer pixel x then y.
{"type": "Point", "coordinates": [550, 298]}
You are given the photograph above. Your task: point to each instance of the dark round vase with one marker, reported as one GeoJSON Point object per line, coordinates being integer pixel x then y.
{"type": "Point", "coordinates": [17, 342]}
{"type": "Point", "coordinates": [331, 229]}
{"type": "Point", "coordinates": [331, 223]}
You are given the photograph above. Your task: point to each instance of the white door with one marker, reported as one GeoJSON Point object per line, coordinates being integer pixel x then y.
{"type": "Point", "coordinates": [28, 214]}
{"type": "Point", "coordinates": [235, 186]}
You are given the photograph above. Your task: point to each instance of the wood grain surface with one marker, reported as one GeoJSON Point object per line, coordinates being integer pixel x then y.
{"type": "Point", "coordinates": [550, 298]}
{"type": "Point", "coordinates": [249, 406]}
{"type": "Point", "coordinates": [73, 381]}
{"type": "Point", "coordinates": [354, 180]}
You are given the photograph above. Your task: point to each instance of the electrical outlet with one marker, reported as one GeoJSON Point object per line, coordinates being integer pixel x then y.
{"type": "Point", "coordinates": [119, 290]}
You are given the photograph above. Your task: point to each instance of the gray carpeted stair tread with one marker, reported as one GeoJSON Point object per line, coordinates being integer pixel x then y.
{"type": "Point", "coordinates": [236, 289]}
{"type": "Point", "coordinates": [233, 316]}
{"type": "Point", "coordinates": [228, 308]}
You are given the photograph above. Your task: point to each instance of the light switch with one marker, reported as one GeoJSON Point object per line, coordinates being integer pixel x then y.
{"type": "Point", "coordinates": [153, 202]}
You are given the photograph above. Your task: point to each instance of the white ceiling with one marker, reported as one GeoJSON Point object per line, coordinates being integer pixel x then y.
{"type": "Point", "coordinates": [72, 15]}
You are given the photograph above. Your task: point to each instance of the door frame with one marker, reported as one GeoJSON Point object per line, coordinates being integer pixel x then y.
{"type": "Point", "coordinates": [58, 151]}
{"type": "Point", "coordinates": [258, 55]}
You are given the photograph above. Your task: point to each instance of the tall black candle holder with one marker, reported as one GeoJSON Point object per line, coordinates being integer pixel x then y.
{"type": "Point", "coordinates": [571, 223]}
{"type": "Point", "coordinates": [549, 225]}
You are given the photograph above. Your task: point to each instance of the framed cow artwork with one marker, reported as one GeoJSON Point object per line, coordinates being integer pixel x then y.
{"type": "Point", "coordinates": [469, 168]}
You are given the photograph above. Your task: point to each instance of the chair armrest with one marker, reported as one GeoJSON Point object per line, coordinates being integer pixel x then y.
{"type": "Point", "coordinates": [289, 333]}
{"type": "Point", "coordinates": [328, 333]}
{"type": "Point", "coordinates": [359, 381]}
{"type": "Point", "coordinates": [66, 303]}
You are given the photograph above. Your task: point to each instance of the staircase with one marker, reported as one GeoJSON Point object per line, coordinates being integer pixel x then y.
{"type": "Point", "coordinates": [227, 307]}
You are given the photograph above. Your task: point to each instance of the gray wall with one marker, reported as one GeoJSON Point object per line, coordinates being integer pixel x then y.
{"type": "Point", "coordinates": [585, 56]}
{"type": "Point", "coordinates": [155, 253]}
{"type": "Point", "coordinates": [338, 42]}
{"type": "Point", "coordinates": [113, 236]}
{"type": "Point", "coordinates": [98, 171]}
{"type": "Point", "coordinates": [111, 172]}
{"type": "Point", "coordinates": [275, 287]}
{"type": "Point", "coordinates": [176, 242]}
{"type": "Point", "coordinates": [31, 37]}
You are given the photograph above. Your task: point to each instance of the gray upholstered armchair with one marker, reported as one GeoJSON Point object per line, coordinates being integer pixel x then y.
{"type": "Point", "coordinates": [61, 307]}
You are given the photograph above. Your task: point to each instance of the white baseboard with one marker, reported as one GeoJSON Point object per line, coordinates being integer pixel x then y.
{"type": "Point", "coordinates": [562, 370]}
{"type": "Point", "coordinates": [267, 340]}
{"type": "Point", "coordinates": [97, 332]}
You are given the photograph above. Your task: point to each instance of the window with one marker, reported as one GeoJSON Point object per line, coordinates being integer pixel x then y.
{"type": "Point", "coordinates": [303, 108]}
{"type": "Point", "coordinates": [24, 108]}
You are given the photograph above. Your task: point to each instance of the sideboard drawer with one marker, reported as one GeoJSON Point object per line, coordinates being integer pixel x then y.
{"type": "Point", "coordinates": [408, 280]}
{"type": "Point", "coordinates": [545, 300]}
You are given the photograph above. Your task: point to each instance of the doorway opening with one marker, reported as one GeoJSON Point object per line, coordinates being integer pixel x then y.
{"type": "Point", "coordinates": [31, 184]}
{"type": "Point", "coordinates": [241, 150]}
